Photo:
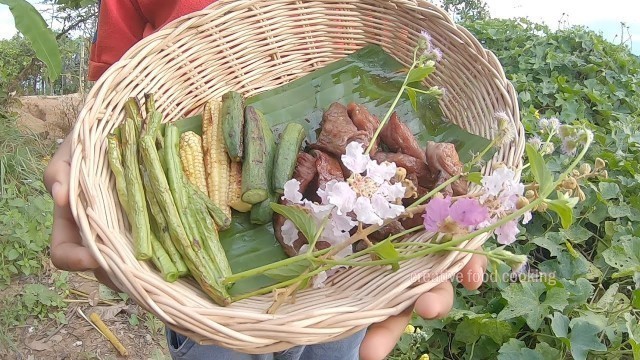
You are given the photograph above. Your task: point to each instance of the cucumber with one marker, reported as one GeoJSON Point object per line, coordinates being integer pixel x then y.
{"type": "Point", "coordinates": [233, 124]}
{"type": "Point", "coordinates": [259, 151]}
{"type": "Point", "coordinates": [286, 155]}
{"type": "Point", "coordinates": [262, 213]}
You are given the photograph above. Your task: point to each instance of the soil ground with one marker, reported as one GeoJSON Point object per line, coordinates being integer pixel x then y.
{"type": "Point", "coordinates": [141, 333]}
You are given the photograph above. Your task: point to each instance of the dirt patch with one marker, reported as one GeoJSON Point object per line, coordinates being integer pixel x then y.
{"type": "Point", "coordinates": [52, 116]}
{"type": "Point", "coordinates": [141, 334]}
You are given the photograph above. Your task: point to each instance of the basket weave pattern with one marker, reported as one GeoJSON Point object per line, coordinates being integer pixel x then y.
{"type": "Point", "coordinates": [250, 47]}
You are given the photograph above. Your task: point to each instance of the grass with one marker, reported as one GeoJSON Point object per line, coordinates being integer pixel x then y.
{"type": "Point", "coordinates": [25, 226]}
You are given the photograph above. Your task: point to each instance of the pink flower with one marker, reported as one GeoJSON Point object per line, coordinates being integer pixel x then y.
{"type": "Point", "coordinates": [463, 215]}
{"type": "Point", "coordinates": [506, 234]}
{"type": "Point", "coordinates": [435, 213]}
{"type": "Point", "coordinates": [468, 212]}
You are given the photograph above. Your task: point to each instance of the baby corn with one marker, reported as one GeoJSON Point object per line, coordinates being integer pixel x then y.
{"type": "Point", "coordinates": [192, 159]}
{"type": "Point", "coordinates": [216, 160]}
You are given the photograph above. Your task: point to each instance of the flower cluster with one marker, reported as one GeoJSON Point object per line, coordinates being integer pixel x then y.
{"type": "Point", "coordinates": [426, 49]}
{"type": "Point", "coordinates": [372, 194]}
{"type": "Point", "coordinates": [501, 196]}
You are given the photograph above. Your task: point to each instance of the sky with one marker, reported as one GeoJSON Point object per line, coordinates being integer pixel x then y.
{"type": "Point", "coordinates": [600, 16]}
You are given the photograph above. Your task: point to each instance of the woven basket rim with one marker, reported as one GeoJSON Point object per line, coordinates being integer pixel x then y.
{"type": "Point", "coordinates": [242, 326]}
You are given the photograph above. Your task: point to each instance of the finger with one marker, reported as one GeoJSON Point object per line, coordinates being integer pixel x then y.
{"type": "Point", "coordinates": [67, 251]}
{"type": "Point", "coordinates": [436, 303]}
{"type": "Point", "coordinates": [56, 175]}
{"type": "Point", "coordinates": [382, 337]}
{"type": "Point", "coordinates": [473, 272]}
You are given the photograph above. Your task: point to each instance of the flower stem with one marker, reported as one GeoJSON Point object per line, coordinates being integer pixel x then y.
{"type": "Point", "coordinates": [261, 269]}
{"type": "Point", "coordinates": [390, 111]}
{"type": "Point", "coordinates": [434, 191]}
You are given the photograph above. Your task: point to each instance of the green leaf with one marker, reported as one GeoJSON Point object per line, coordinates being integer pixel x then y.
{"type": "Point", "coordinates": [470, 330]}
{"type": "Point", "coordinates": [419, 73]}
{"type": "Point", "coordinates": [608, 297]}
{"type": "Point", "coordinates": [556, 298]}
{"type": "Point", "coordinates": [609, 190]}
{"type": "Point", "coordinates": [563, 209]}
{"type": "Point", "coordinates": [624, 256]}
{"type": "Point", "coordinates": [633, 329]}
{"type": "Point", "coordinates": [249, 246]}
{"type": "Point", "coordinates": [290, 271]}
{"type": "Point", "coordinates": [12, 254]}
{"type": "Point", "coordinates": [516, 349]}
{"type": "Point", "coordinates": [539, 169]}
{"type": "Point", "coordinates": [31, 24]}
{"type": "Point", "coordinates": [300, 218]}
{"type": "Point", "coordinates": [551, 241]}
{"type": "Point", "coordinates": [412, 97]}
{"type": "Point", "coordinates": [635, 299]}
{"type": "Point", "coordinates": [386, 250]}
{"type": "Point", "coordinates": [583, 338]}
{"type": "Point", "coordinates": [523, 300]}
{"type": "Point", "coordinates": [560, 325]}
{"type": "Point", "coordinates": [577, 233]}
{"type": "Point", "coordinates": [475, 177]}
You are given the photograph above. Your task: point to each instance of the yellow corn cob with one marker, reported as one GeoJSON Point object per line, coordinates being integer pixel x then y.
{"type": "Point", "coordinates": [235, 188]}
{"type": "Point", "coordinates": [192, 159]}
{"type": "Point", "coordinates": [216, 160]}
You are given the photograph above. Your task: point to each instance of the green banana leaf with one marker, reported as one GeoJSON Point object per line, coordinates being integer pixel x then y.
{"type": "Point", "coordinates": [43, 41]}
{"type": "Point", "coordinates": [369, 76]}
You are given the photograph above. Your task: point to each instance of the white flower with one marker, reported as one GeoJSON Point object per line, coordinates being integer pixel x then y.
{"type": "Point", "coordinates": [381, 172]}
{"type": "Point", "coordinates": [553, 124]}
{"type": "Point", "coordinates": [341, 223]}
{"type": "Point", "coordinates": [318, 280]}
{"type": "Point", "coordinates": [292, 191]}
{"type": "Point", "coordinates": [364, 211]}
{"type": "Point", "coordinates": [526, 217]}
{"type": "Point", "coordinates": [342, 196]}
{"type": "Point", "coordinates": [492, 184]}
{"type": "Point", "coordinates": [289, 232]}
{"type": "Point", "coordinates": [536, 142]}
{"type": "Point", "coordinates": [391, 192]}
{"type": "Point", "coordinates": [354, 158]}
{"type": "Point", "coordinates": [384, 209]}
{"type": "Point", "coordinates": [319, 211]}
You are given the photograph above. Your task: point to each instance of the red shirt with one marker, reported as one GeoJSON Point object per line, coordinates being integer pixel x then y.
{"type": "Point", "coordinates": [122, 23]}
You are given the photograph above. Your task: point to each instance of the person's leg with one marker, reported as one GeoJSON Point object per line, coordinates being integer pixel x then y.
{"type": "Point", "coordinates": [345, 349]}
{"type": "Point", "coordinates": [184, 348]}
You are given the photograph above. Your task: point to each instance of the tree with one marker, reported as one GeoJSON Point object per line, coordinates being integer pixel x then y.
{"type": "Point", "coordinates": [466, 10]}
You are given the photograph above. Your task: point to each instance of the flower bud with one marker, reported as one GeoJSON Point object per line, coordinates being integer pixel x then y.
{"type": "Point", "coordinates": [548, 148]}
{"type": "Point", "coordinates": [575, 172]}
{"type": "Point", "coordinates": [600, 164]}
{"type": "Point", "coordinates": [585, 168]}
{"type": "Point", "coordinates": [581, 195]}
{"type": "Point", "coordinates": [569, 183]}
{"type": "Point", "coordinates": [498, 165]}
{"type": "Point", "coordinates": [542, 207]}
{"type": "Point", "coordinates": [530, 194]}
{"type": "Point", "coordinates": [604, 174]}
{"type": "Point", "coordinates": [409, 329]}
{"type": "Point", "coordinates": [522, 202]}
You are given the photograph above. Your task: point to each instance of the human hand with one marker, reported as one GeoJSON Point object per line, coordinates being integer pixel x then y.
{"type": "Point", "coordinates": [67, 250]}
{"type": "Point", "coordinates": [436, 303]}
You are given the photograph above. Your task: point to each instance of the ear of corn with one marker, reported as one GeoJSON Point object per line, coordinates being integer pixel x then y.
{"type": "Point", "coordinates": [192, 158]}
{"type": "Point", "coordinates": [235, 188]}
{"type": "Point", "coordinates": [216, 160]}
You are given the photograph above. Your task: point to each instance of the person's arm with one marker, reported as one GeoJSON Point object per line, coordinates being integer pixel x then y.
{"type": "Point", "coordinates": [121, 25]}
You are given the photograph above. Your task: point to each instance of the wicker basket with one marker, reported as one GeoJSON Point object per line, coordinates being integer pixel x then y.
{"type": "Point", "coordinates": [251, 46]}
